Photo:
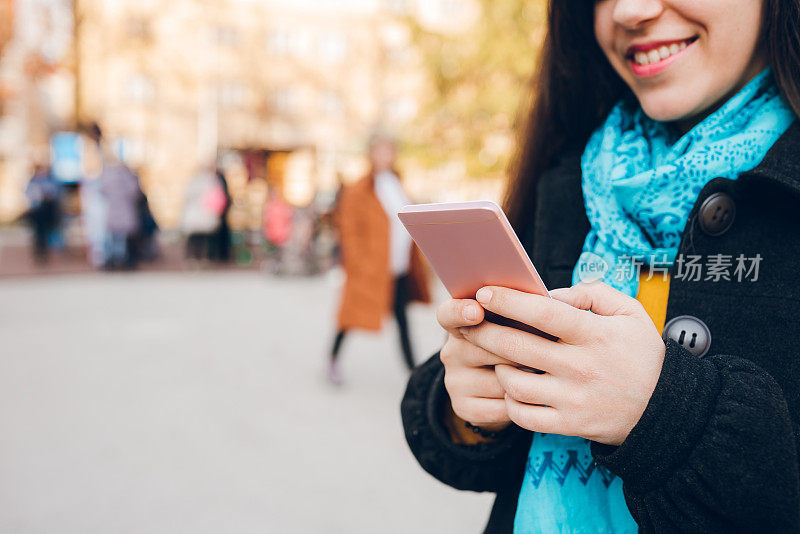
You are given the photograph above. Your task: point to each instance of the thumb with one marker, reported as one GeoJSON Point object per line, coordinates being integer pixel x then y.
{"type": "Point", "coordinates": [598, 297]}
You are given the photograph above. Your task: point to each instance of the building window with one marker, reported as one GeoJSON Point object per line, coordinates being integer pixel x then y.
{"type": "Point", "coordinates": [282, 42]}
{"type": "Point", "coordinates": [332, 47]}
{"type": "Point", "coordinates": [138, 28]}
{"type": "Point", "coordinates": [331, 103]}
{"type": "Point", "coordinates": [284, 101]}
{"type": "Point", "coordinates": [231, 95]}
{"type": "Point", "coordinates": [226, 36]}
{"type": "Point", "coordinates": [140, 89]}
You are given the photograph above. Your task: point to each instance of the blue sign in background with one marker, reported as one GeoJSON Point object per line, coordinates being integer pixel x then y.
{"type": "Point", "coordinates": [65, 152]}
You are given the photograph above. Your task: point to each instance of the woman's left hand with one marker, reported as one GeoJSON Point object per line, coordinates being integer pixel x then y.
{"type": "Point", "coordinates": [600, 373]}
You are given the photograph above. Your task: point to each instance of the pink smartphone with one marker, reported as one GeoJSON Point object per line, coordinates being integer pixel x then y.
{"type": "Point", "coordinates": [471, 245]}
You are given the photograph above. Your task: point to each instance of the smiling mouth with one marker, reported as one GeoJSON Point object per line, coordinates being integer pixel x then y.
{"type": "Point", "coordinates": [656, 52]}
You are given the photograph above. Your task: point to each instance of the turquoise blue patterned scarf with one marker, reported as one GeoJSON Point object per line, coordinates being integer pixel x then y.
{"type": "Point", "coordinates": [640, 183]}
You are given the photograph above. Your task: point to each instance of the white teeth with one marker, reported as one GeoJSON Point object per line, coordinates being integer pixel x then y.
{"type": "Point", "coordinates": [658, 54]}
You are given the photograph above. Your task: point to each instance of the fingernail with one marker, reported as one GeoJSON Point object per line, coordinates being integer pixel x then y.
{"type": "Point", "coordinates": [470, 313]}
{"type": "Point", "coordinates": [484, 295]}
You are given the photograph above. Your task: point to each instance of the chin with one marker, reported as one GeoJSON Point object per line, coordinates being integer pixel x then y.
{"type": "Point", "coordinates": [670, 100]}
{"type": "Point", "coordinates": [666, 110]}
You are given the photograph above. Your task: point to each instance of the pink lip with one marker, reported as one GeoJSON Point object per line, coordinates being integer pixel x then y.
{"type": "Point", "coordinates": [646, 71]}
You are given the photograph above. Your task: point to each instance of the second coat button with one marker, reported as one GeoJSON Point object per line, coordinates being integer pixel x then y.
{"type": "Point", "coordinates": [716, 214]}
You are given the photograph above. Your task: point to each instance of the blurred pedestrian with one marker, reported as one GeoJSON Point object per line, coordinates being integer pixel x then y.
{"type": "Point", "coordinates": [93, 204]}
{"type": "Point", "coordinates": [203, 208]}
{"type": "Point", "coordinates": [43, 194]}
{"type": "Point", "coordinates": [277, 219]}
{"type": "Point", "coordinates": [145, 240]}
{"type": "Point", "coordinates": [332, 219]}
{"type": "Point", "coordinates": [221, 249]}
{"type": "Point", "coordinates": [383, 268]}
{"type": "Point", "coordinates": [325, 245]}
{"type": "Point", "coordinates": [301, 244]}
{"type": "Point", "coordinates": [120, 188]}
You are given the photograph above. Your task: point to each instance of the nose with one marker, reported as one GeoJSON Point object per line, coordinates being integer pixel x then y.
{"type": "Point", "coordinates": [631, 14]}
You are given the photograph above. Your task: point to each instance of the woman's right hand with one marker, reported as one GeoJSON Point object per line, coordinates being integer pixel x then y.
{"type": "Point", "coordinates": [475, 393]}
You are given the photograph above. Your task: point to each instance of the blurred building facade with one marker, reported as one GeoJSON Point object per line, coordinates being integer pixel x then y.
{"type": "Point", "coordinates": [280, 93]}
{"type": "Point", "coordinates": [35, 89]}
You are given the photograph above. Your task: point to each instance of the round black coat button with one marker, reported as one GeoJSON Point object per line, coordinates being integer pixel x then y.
{"type": "Point", "coordinates": [716, 214]}
{"type": "Point", "coordinates": [689, 332]}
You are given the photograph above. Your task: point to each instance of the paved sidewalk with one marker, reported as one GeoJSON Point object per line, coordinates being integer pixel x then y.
{"type": "Point", "coordinates": [194, 403]}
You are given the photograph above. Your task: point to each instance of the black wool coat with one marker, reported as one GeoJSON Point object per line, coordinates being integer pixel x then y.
{"type": "Point", "coordinates": [716, 449]}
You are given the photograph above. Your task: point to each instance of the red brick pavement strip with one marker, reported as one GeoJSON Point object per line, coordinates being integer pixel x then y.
{"type": "Point", "coordinates": [17, 261]}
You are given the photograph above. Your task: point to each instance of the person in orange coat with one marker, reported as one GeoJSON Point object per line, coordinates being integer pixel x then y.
{"type": "Point", "coordinates": [384, 270]}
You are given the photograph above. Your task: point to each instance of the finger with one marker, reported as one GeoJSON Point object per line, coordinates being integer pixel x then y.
{"type": "Point", "coordinates": [476, 356]}
{"type": "Point", "coordinates": [548, 315]}
{"type": "Point", "coordinates": [535, 418]}
{"type": "Point", "coordinates": [529, 388]}
{"type": "Point", "coordinates": [517, 346]}
{"type": "Point", "coordinates": [455, 313]}
{"type": "Point", "coordinates": [477, 382]}
{"type": "Point", "coordinates": [480, 411]}
{"type": "Point", "coordinates": [458, 352]}
{"type": "Point", "coordinates": [597, 297]}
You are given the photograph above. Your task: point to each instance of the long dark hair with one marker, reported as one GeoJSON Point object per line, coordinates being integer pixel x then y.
{"type": "Point", "coordinates": [575, 87]}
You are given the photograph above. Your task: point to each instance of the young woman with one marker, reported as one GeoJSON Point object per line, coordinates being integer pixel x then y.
{"type": "Point", "coordinates": [661, 158]}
